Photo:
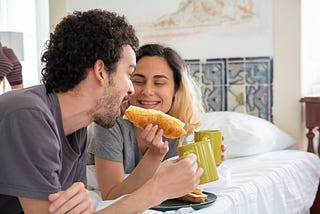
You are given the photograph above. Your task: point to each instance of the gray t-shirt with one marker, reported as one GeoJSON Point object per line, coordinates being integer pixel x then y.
{"type": "Point", "coordinates": [37, 159]}
{"type": "Point", "coordinates": [120, 144]}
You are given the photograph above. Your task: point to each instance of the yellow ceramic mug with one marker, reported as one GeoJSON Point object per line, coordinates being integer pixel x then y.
{"type": "Point", "coordinates": [205, 159]}
{"type": "Point", "coordinates": [215, 137]}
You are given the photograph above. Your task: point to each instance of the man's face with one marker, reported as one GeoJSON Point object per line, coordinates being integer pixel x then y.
{"type": "Point", "coordinates": [117, 89]}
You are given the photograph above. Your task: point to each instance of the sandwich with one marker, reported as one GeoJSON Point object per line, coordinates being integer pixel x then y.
{"type": "Point", "coordinates": [141, 117]}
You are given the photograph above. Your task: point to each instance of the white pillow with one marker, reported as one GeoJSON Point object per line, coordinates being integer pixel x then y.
{"type": "Point", "coordinates": [245, 134]}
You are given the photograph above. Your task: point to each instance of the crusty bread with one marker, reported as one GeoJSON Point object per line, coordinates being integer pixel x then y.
{"type": "Point", "coordinates": [196, 196]}
{"type": "Point", "coordinates": [197, 191]}
{"type": "Point", "coordinates": [140, 117]}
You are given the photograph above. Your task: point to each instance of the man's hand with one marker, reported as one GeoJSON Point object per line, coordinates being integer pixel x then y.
{"type": "Point", "coordinates": [174, 178]}
{"type": "Point", "coordinates": [178, 177]}
{"type": "Point", "coordinates": [75, 199]}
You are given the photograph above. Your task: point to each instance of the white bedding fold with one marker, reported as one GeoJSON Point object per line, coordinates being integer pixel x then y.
{"type": "Point", "coordinates": [282, 181]}
{"type": "Point", "coordinates": [275, 182]}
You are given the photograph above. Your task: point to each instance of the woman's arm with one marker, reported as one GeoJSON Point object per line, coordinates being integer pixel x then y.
{"type": "Point", "coordinates": [113, 185]}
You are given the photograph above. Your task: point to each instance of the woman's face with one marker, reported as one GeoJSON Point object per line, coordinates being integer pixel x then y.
{"type": "Point", "coordinates": [153, 84]}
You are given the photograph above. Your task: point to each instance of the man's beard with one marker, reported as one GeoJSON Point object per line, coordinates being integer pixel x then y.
{"type": "Point", "coordinates": [107, 121]}
{"type": "Point", "coordinates": [108, 109]}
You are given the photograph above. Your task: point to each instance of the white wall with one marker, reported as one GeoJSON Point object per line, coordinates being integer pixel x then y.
{"type": "Point", "coordinates": [58, 10]}
{"type": "Point", "coordinates": [287, 80]}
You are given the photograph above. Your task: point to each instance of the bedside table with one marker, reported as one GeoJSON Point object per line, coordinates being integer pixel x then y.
{"type": "Point", "coordinates": [312, 112]}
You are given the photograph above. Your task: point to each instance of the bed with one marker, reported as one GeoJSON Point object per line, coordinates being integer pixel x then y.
{"type": "Point", "coordinates": [261, 173]}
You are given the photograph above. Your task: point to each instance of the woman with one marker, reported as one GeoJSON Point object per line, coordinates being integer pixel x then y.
{"type": "Point", "coordinates": [161, 82]}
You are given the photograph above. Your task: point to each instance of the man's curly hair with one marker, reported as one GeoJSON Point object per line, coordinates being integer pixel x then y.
{"type": "Point", "coordinates": [78, 41]}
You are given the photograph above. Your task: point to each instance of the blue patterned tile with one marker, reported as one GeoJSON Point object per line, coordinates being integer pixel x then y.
{"type": "Point", "coordinates": [213, 73]}
{"type": "Point", "coordinates": [236, 71]}
{"type": "Point", "coordinates": [258, 70]}
{"type": "Point", "coordinates": [236, 99]}
{"type": "Point", "coordinates": [195, 73]}
{"type": "Point", "coordinates": [214, 98]}
{"type": "Point", "coordinates": [259, 101]}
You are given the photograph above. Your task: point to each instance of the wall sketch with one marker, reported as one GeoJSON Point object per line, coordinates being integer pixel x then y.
{"type": "Point", "coordinates": [199, 29]}
{"type": "Point", "coordinates": [231, 28]}
{"type": "Point", "coordinates": [196, 17]}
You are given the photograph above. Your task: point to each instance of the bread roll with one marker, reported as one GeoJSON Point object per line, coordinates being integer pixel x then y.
{"type": "Point", "coordinates": [196, 196]}
{"type": "Point", "coordinates": [193, 198]}
{"type": "Point", "coordinates": [140, 117]}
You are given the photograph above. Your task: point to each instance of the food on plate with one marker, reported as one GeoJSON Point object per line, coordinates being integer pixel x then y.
{"type": "Point", "coordinates": [196, 196]}
{"type": "Point", "coordinates": [140, 117]}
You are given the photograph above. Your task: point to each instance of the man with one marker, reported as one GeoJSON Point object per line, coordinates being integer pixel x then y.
{"type": "Point", "coordinates": [86, 77]}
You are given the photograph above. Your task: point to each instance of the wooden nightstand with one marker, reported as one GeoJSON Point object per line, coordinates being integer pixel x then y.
{"type": "Point", "coordinates": [312, 110]}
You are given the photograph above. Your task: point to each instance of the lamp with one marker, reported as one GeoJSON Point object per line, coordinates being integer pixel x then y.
{"type": "Point", "coordinates": [13, 40]}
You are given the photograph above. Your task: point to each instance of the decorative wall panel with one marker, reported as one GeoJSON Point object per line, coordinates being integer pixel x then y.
{"type": "Point", "coordinates": [236, 84]}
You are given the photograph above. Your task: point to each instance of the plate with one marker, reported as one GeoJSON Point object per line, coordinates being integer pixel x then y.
{"type": "Point", "coordinates": [174, 204]}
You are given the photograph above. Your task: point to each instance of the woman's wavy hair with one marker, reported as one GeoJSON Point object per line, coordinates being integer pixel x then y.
{"type": "Point", "coordinates": [78, 41]}
{"type": "Point", "coordinates": [187, 103]}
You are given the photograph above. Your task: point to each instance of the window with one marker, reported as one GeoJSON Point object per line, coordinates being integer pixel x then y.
{"type": "Point", "coordinates": [310, 48]}
{"type": "Point", "coordinates": [32, 19]}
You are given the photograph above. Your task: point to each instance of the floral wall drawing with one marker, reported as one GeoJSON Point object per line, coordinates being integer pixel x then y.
{"type": "Point", "coordinates": [197, 16]}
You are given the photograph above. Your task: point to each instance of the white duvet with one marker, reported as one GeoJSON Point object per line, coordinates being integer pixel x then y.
{"type": "Point", "coordinates": [284, 181]}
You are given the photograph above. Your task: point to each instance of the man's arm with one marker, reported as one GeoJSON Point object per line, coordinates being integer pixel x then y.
{"type": "Point", "coordinates": [173, 179]}
{"type": "Point", "coordinates": [34, 206]}
{"type": "Point", "coordinates": [75, 198]}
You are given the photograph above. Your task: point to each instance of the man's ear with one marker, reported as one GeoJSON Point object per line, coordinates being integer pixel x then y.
{"type": "Point", "coordinates": [99, 70]}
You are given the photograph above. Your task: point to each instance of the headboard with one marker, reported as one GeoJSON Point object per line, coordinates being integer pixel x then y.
{"type": "Point", "coordinates": [236, 84]}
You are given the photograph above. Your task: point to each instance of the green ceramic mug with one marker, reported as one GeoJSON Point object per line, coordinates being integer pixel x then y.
{"type": "Point", "coordinates": [205, 159]}
{"type": "Point", "coordinates": [215, 137]}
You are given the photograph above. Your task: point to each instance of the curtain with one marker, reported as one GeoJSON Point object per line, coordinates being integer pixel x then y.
{"type": "Point", "coordinates": [310, 48]}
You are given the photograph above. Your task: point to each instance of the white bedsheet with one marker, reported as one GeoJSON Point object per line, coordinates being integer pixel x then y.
{"type": "Point", "coordinates": [284, 181]}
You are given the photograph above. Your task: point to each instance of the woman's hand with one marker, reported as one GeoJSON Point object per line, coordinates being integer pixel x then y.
{"type": "Point", "coordinates": [223, 149]}
{"type": "Point", "coordinates": [151, 139]}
